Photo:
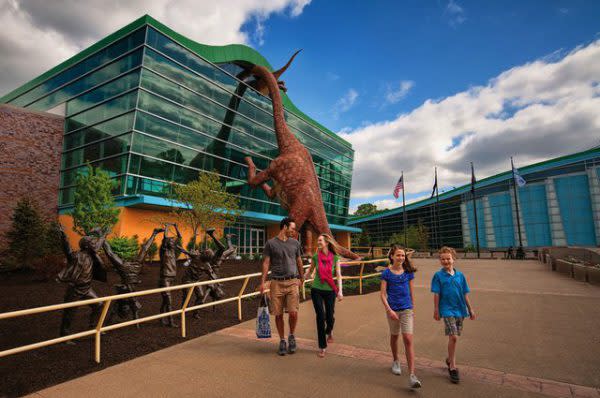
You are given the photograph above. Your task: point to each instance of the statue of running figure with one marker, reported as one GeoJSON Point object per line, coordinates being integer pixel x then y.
{"type": "Point", "coordinates": [129, 272]}
{"type": "Point", "coordinates": [82, 266]}
{"type": "Point", "coordinates": [207, 262]}
{"type": "Point", "coordinates": [169, 251]}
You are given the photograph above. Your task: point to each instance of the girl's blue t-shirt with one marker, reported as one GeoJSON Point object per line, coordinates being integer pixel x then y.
{"type": "Point", "coordinates": [398, 289]}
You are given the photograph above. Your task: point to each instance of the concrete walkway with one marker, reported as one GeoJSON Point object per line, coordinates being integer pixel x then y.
{"type": "Point", "coordinates": [536, 335]}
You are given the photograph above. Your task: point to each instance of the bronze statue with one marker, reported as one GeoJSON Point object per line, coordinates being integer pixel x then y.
{"type": "Point", "coordinates": [293, 171]}
{"type": "Point", "coordinates": [207, 262]}
{"type": "Point", "coordinates": [129, 272]}
{"type": "Point", "coordinates": [169, 251]}
{"type": "Point", "coordinates": [82, 266]}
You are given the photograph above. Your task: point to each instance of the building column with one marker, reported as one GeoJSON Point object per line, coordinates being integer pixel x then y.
{"type": "Point", "coordinates": [514, 217]}
{"type": "Point", "coordinates": [557, 231]}
{"type": "Point", "coordinates": [489, 223]}
{"type": "Point", "coordinates": [594, 181]}
{"type": "Point", "coordinates": [466, 229]}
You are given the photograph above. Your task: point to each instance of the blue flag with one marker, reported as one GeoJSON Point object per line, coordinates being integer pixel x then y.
{"type": "Point", "coordinates": [520, 181]}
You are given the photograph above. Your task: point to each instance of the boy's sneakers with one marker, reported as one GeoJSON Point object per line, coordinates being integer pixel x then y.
{"type": "Point", "coordinates": [291, 344]}
{"type": "Point", "coordinates": [414, 382]}
{"type": "Point", "coordinates": [454, 377]}
{"type": "Point", "coordinates": [282, 347]}
{"type": "Point", "coordinates": [396, 368]}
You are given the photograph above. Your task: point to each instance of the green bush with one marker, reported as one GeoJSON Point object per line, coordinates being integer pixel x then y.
{"type": "Point", "coordinates": [124, 247]}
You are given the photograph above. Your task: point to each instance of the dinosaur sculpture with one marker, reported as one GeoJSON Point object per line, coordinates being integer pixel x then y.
{"type": "Point", "coordinates": [293, 171]}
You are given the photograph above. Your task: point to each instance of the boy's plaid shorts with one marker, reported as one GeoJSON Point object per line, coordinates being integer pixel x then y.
{"type": "Point", "coordinates": [454, 325]}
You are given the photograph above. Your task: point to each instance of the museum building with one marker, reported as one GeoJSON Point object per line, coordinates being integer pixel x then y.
{"type": "Point", "coordinates": [559, 205]}
{"type": "Point", "coordinates": [152, 107]}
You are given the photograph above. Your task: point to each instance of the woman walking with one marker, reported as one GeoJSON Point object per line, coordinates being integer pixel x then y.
{"type": "Point", "coordinates": [324, 290]}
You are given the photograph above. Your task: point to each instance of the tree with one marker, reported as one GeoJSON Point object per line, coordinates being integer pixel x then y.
{"type": "Point", "coordinates": [93, 205]}
{"type": "Point", "coordinates": [26, 237]}
{"type": "Point", "coordinates": [417, 237]}
{"type": "Point", "coordinates": [208, 205]}
{"type": "Point", "coordinates": [366, 209]}
{"type": "Point", "coordinates": [361, 240]}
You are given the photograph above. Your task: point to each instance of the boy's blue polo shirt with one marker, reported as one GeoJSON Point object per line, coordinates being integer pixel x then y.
{"type": "Point", "coordinates": [452, 290]}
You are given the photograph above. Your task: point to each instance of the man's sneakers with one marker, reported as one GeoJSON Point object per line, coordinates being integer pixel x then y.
{"type": "Point", "coordinates": [396, 368]}
{"type": "Point", "coordinates": [414, 382]}
{"type": "Point", "coordinates": [454, 376]}
{"type": "Point", "coordinates": [291, 344]}
{"type": "Point", "coordinates": [289, 347]}
{"type": "Point", "coordinates": [282, 348]}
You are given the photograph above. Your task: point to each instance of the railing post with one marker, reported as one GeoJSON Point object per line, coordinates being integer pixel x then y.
{"type": "Point", "coordinates": [99, 330]}
{"type": "Point", "coordinates": [362, 267]}
{"type": "Point", "coordinates": [240, 298]}
{"type": "Point", "coordinates": [185, 304]}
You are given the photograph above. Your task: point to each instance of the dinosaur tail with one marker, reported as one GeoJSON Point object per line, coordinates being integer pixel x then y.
{"type": "Point", "coordinates": [279, 72]}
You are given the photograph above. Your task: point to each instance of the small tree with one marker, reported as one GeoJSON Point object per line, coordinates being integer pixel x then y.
{"type": "Point", "coordinates": [26, 238]}
{"type": "Point", "coordinates": [417, 237]}
{"type": "Point", "coordinates": [126, 248]}
{"type": "Point", "coordinates": [208, 204]}
{"type": "Point", "coordinates": [93, 205]}
{"type": "Point", "coordinates": [366, 209]}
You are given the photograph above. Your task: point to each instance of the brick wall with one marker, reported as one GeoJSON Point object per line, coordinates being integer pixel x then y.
{"type": "Point", "coordinates": [30, 152]}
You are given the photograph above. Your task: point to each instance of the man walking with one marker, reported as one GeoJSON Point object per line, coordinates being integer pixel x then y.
{"type": "Point", "coordinates": [282, 255]}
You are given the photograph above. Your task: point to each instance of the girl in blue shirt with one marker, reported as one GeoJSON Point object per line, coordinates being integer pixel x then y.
{"type": "Point", "coordinates": [397, 298]}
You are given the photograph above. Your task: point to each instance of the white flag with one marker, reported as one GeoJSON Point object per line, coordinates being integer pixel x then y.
{"type": "Point", "coordinates": [520, 181]}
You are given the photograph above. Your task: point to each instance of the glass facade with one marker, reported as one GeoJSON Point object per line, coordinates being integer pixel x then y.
{"type": "Point", "coordinates": [559, 206]}
{"type": "Point", "coordinates": [151, 112]}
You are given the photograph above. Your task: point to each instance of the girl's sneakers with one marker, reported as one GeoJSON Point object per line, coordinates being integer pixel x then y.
{"type": "Point", "coordinates": [396, 368]}
{"type": "Point", "coordinates": [414, 382]}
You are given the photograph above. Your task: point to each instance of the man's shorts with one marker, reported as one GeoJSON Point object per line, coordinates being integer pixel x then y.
{"type": "Point", "coordinates": [454, 325]}
{"type": "Point", "coordinates": [405, 323]}
{"type": "Point", "coordinates": [284, 294]}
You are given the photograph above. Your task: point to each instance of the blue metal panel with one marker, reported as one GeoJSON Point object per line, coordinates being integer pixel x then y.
{"type": "Point", "coordinates": [480, 223]}
{"type": "Point", "coordinates": [534, 210]}
{"type": "Point", "coordinates": [575, 204]}
{"type": "Point", "coordinates": [502, 219]}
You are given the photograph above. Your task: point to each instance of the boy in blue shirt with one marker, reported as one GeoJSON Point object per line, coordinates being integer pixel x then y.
{"type": "Point", "coordinates": [451, 303]}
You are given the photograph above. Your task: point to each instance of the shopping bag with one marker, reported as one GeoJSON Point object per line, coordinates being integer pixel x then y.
{"type": "Point", "coordinates": [263, 324]}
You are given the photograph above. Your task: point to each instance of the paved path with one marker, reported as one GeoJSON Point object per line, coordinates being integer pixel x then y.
{"type": "Point", "coordinates": [537, 335]}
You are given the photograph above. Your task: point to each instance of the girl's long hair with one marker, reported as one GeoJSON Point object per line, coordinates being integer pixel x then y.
{"type": "Point", "coordinates": [407, 265]}
{"type": "Point", "coordinates": [330, 243]}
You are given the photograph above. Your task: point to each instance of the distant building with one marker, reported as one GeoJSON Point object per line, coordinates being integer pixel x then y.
{"type": "Point", "coordinates": [559, 206]}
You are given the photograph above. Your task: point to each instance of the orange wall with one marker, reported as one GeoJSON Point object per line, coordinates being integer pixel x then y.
{"type": "Point", "coordinates": [133, 221]}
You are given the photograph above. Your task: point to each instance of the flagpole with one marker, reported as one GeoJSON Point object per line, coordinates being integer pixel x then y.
{"type": "Point", "coordinates": [475, 208]}
{"type": "Point", "coordinates": [404, 209]}
{"type": "Point", "coordinates": [520, 253]}
{"type": "Point", "coordinates": [437, 211]}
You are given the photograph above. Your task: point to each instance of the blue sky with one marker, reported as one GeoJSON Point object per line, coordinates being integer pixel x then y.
{"type": "Point", "coordinates": [437, 48]}
{"type": "Point", "coordinates": [411, 84]}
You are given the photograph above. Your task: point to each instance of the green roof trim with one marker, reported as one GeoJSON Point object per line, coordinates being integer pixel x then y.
{"type": "Point", "coordinates": [506, 175]}
{"type": "Point", "coordinates": [214, 54]}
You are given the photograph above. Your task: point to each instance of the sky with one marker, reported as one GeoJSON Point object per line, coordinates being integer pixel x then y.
{"type": "Point", "coordinates": [411, 84]}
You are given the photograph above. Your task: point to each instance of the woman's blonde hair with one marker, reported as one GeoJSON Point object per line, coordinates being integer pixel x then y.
{"type": "Point", "coordinates": [330, 243]}
{"type": "Point", "coordinates": [407, 264]}
{"type": "Point", "coordinates": [447, 249]}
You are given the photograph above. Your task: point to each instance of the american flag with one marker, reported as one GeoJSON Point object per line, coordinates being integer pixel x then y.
{"type": "Point", "coordinates": [399, 187]}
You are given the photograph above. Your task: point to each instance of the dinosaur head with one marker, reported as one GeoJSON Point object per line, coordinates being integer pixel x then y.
{"type": "Point", "coordinates": [260, 86]}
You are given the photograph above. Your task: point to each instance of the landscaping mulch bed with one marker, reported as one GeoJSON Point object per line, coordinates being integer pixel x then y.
{"type": "Point", "coordinates": [31, 371]}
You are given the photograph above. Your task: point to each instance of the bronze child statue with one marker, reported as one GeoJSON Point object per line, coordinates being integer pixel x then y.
{"type": "Point", "coordinates": [129, 272]}
{"type": "Point", "coordinates": [82, 266]}
{"type": "Point", "coordinates": [169, 251]}
{"type": "Point", "coordinates": [207, 262]}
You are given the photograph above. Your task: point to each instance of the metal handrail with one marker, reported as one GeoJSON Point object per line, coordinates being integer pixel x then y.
{"type": "Point", "coordinates": [98, 330]}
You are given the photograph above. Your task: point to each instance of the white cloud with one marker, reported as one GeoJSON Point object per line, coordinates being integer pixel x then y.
{"type": "Point", "coordinates": [346, 102]}
{"type": "Point", "coordinates": [533, 112]}
{"type": "Point", "coordinates": [37, 35]}
{"type": "Point", "coordinates": [454, 14]}
{"type": "Point", "coordinates": [396, 93]}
